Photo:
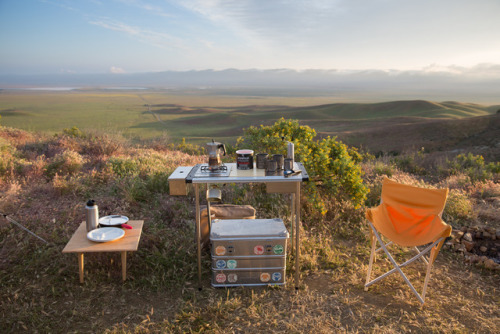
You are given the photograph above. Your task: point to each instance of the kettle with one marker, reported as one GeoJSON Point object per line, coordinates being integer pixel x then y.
{"type": "Point", "coordinates": [214, 153]}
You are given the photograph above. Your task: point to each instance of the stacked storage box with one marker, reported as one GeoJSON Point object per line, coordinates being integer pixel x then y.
{"type": "Point", "coordinates": [248, 252]}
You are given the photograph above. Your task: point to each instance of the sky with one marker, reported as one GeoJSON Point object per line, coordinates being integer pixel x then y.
{"type": "Point", "coordinates": [130, 36]}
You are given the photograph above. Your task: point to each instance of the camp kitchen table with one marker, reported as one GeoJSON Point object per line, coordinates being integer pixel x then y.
{"type": "Point", "coordinates": [129, 243]}
{"type": "Point", "coordinates": [276, 183]}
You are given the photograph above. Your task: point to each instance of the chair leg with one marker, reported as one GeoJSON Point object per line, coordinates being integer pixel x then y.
{"type": "Point", "coordinates": [429, 267]}
{"type": "Point", "coordinates": [423, 257]}
{"type": "Point", "coordinates": [372, 257]}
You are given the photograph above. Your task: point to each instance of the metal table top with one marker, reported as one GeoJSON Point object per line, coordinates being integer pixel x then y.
{"type": "Point", "coordinates": [247, 176]}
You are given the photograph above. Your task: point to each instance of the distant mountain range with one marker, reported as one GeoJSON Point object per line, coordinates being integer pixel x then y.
{"type": "Point", "coordinates": [481, 86]}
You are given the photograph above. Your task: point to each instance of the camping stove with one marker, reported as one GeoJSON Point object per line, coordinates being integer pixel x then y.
{"type": "Point", "coordinates": [204, 170]}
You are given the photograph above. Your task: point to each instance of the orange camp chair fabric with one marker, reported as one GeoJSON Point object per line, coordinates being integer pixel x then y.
{"type": "Point", "coordinates": [408, 215]}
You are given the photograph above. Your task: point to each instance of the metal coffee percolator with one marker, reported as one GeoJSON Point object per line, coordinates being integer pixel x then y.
{"type": "Point", "coordinates": [92, 215]}
{"type": "Point", "coordinates": [214, 154]}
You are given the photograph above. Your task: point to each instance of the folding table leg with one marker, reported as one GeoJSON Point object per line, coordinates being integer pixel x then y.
{"type": "Point", "coordinates": [297, 235]}
{"type": "Point", "coordinates": [80, 265]}
{"type": "Point", "coordinates": [124, 265]}
{"type": "Point", "coordinates": [198, 230]}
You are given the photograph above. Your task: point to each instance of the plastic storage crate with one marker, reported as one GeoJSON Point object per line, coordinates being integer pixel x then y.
{"type": "Point", "coordinates": [248, 252]}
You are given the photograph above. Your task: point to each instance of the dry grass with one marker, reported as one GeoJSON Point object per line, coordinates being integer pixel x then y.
{"type": "Point", "coordinates": [41, 293]}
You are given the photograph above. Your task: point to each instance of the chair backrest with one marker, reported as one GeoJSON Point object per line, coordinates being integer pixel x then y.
{"type": "Point", "coordinates": [430, 200]}
{"type": "Point", "coordinates": [409, 215]}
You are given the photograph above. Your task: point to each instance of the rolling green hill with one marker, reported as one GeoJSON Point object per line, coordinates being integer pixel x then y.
{"type": "Point", "coordinates": [146, 114]}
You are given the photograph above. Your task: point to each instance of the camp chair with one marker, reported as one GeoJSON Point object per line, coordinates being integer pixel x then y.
{"type": "Point", "coordinates": [408, 216]}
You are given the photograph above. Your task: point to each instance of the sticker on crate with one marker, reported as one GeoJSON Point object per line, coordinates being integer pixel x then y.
{"type": "Point", "coordinates": [220, 278]}
{"type": "Point", "coordinates": [265, 277]}
{"type": "Point", "coordinates": [232, 264]}
{"type": "Point", "coordinates": [278, 249]}
{"type": "Point", "coordinates": [220, 264]}
{"type": "Point", "coordinates": [220, 250]}
{"type": "Point", "coordinates": [258, 250]}
{"type": "Point", "coordinates": [232, 278]}
{"type": "Point", "coordinates": [276, 276]}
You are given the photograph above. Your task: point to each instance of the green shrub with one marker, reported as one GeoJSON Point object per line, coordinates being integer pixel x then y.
{"type": "Point", "coordinates": [458, 209]}
{"type": "Point", "coordinates": [190, 149]}
{"type": "Point", "coordinates": [65, 163]}
{"type": "Point", "coordinates": [333, 168]}
{"type": "Point", "coordinates": [411, 162]}
{"type": "Point", "coordinates": [73, 132]}
{"type": "Point", "coordinates": [474, 167]}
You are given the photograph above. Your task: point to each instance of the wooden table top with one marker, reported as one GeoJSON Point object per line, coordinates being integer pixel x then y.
{"type": "Point", "coordinates": [130, 241]}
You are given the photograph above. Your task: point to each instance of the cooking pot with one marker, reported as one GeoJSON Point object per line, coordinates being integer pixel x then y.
{"type": "Point", "coordinates": [114, 221]}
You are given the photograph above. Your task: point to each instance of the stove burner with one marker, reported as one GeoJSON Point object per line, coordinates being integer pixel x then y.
{"type": "Point", "coordinates": [203, 170]}
{"type": "Point", "coordinates": [218, 169]}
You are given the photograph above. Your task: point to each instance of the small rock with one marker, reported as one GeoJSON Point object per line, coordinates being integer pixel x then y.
{"type": "Point", "coordinates": [491, 230]}
{"type": "Point", "coordinates": [486, 235]}
{"type": "Point", "coordinates": [478, 235]}
{"type": "Point", "coordinates": [474, 259]}
{"type": "Point", "coordinates": [483, 258]}
{"type": "Point", "coordinates": [460, 248]}
{"type": "Point", "coordinates": [464, 229]}
{"type": "Point", "coordinates": [468, 237]}
{"type": "Point", "coordinates": [483, 249]}
{"type": "Point", "coordinates": [497, 234]}
{"type": "Point", "coordinates": [468, 245]}
{"type": "Point", "coordinates": [459, 234]}
{"type": "Point", "coordinates": [490, 264]}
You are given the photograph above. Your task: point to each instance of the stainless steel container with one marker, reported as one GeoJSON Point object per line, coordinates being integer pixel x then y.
{"type": "Point", "coordinates": [92, 215]}
{"type": "Point", "coordinates": [279, 158]}
{"type": "Point", "coordinates": [261, 160]}
{"type": "Point", "coordinates": [248, 252]}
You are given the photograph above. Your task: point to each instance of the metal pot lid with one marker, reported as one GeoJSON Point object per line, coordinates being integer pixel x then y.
{"type": "Point", "coordinates": [244, 152]}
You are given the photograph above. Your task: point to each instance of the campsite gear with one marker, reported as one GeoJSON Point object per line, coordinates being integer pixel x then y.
{"type": "Point", "coordinates": [290, 151]}
{"type": "Point", "coordinates": [248, 253]}
{"type": "Point", "coordinates": [288, 164]}
{"type": "Point", "coordinates": [21, 226]}
{"type": "Point", "coordinates": [261, 160]}
{"type": "Point", "coordinates": [244, 159]}
{"type": "Point", "coordinates": [271, 166]}
{"type": "Point", "coordinates": [288, 173]}
{"type": "Point", "coordinates": [213, 195]}
{"type": "Point", "coordinates": [92, 215]}
{"type": "Point", "coordinates": [215, 149]}
{"type": "Point", "coordinates": [222, 211]}
{"type": "Point", "coordinates": [114, 221]}
{"type": "Point", "coordinates": [408, 216]}
{"type": "Point", "coordinates": [105, 234]}
{"type": "Point", "coordinates": [279, 158]}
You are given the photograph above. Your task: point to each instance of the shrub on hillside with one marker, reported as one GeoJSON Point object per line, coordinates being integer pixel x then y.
{"type": "Point", "coordinates": [474, 167]}
{"type": "Point", "coordinates": [458, 209]}
{"type": "Point", "coordinates": [191, 149]}
{"type": "Point", "coordinates": [333, 168]}
{"type": "Point", "coordinates": [66, 163]}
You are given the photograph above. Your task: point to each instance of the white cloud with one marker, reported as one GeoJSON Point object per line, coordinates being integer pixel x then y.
{"type": "Point", "coordinates": [158, 39]}
{"type": "Point", "coordinates": [116, 70]}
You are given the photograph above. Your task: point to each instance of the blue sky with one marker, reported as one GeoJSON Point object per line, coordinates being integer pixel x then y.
{"type": "Point", "coordinates": [97, 36]}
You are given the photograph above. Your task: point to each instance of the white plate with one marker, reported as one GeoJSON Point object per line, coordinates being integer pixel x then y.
{"type": "Point", "coordinates": [112, 220]}
{"type": "Point", "coordinates": [105, 234]}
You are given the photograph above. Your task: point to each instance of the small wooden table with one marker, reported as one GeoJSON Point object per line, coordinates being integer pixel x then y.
{"type": "Point", "coordinates": [129, 243]}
